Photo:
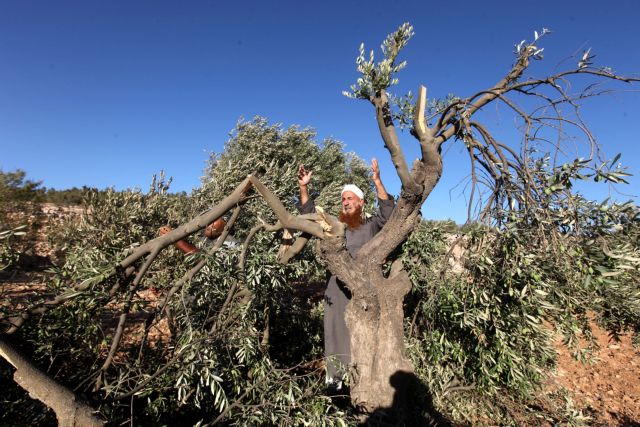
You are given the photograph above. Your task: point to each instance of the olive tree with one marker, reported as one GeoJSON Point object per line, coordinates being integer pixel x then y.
{"type": "Point", "coordinates": [511, 184]}
{"type": "Point", "coordinates": [506, 172]}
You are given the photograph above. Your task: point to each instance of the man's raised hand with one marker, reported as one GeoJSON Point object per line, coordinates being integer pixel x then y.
{"type": "Point", "coordinates": [377, 182]}
{"type": "Point", "coordinates": [304, 176]}
{"type": "Point", "coordinates": [375, 169]}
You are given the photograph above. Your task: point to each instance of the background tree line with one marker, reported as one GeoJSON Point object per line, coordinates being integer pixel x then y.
{"type": "Point", "coordinates": [15, 187]}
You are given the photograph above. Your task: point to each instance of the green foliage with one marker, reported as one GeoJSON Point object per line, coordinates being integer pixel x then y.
{"type": "Point", "coordinates": [488, 302]}
{"type": "Point", "coordinates": [20, 216]}
{"type": "Point", "coordinates": [8, 254]}
{"type": "Point", "coordinates": [115, 221]}
{"type": "Point", "coordinates": [15, 188]}
{"type": "Point", "coordinates": [611, 267]}
{"type": "Point", "coordinates": [379, 76]}
{"type": "Point", "coordinates": [241, 345]}
{"type": "Point", "coordinates": [274, 155]}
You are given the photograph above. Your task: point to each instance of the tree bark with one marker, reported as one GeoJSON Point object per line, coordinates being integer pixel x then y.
{"type": "Point", "coordinates": [376, 325]}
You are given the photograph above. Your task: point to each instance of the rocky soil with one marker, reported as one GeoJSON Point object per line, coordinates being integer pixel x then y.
{"type": "Point", "coordinates": [607, 390]}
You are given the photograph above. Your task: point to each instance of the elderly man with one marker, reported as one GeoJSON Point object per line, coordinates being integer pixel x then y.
{"type": "Point", "coordinates": [359, 231]}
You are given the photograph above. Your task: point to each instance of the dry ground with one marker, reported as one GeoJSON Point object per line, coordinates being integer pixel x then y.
{"type": "Point", "coordinates": [608, 390]}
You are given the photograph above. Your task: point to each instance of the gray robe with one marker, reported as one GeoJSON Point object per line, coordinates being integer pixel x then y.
{"type": "Point", "coordinates": [337, 348]}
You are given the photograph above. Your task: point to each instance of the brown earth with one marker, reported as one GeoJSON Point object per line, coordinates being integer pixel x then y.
{"type": "Point", "coordinates": [607, 391]}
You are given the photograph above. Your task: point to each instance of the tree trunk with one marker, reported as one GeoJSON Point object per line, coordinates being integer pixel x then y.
{"type": "Point", "coordinates": [376, 325]}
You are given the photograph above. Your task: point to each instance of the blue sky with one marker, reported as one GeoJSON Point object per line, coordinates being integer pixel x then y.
{"type": "Point", "coordinates": [109, 93]}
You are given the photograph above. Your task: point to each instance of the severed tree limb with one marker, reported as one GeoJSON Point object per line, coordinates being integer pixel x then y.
{"type": "Point", "coordinates": [69, 410]}
{"type": "Point", "coordinates": [196, 224]}
{"type": "Point", "coordinates": [237, 196]}
{"type": "Point", "coordinates": [319, 225]}
{"type": "Point", "coordinates": [310, 224]}
{"type": "Point", "coordinates": [188, 276]}
{"type": "Point", "coordinates": [420, 128]}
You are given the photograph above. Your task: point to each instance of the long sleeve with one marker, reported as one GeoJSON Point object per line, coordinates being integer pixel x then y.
{"type": "Point", "coordinates": [309, 207]}
{"type": "Point", "coordinates": [385, 208]}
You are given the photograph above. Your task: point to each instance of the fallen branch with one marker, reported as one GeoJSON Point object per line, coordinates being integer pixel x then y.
{"type": "Point", "coordinates": [126, 265]}
{"type": "Point", "coordinates": [69, 410]}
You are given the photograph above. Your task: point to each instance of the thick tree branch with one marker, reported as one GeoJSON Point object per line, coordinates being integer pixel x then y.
{"type": "Point", "coordinates": [286, 219]}
{"type": "Point", "coordinates": [390, 138]}
{"type": "Point", "coordinates": [196, 224]}
{"type": "Point", "coordinates": [487, 96]}
{"type": "Point", "coordinates": [69, 410]}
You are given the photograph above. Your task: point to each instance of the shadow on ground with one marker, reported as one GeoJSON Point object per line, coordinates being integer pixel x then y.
{"type": "Point", "coordinates": [412, 405]}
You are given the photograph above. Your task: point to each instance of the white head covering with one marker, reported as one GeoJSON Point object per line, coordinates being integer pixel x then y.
{"type": "Point", "coordinates": [354, 189]}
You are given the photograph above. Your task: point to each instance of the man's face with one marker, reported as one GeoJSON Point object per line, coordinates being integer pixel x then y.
{"type": "Point", "coordinates": [351, 202]}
